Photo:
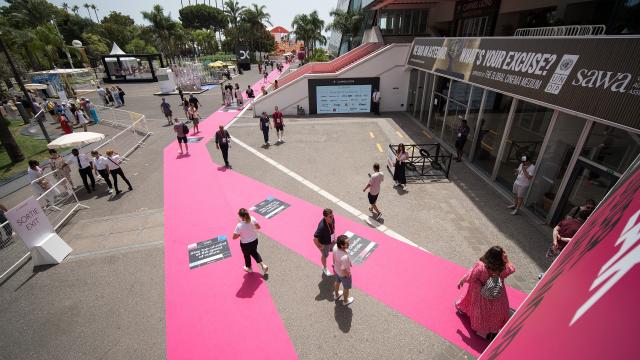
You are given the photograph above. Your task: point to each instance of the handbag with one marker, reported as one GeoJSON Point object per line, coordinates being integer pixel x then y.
{"type": "Point", "coordinates": [493, 288]}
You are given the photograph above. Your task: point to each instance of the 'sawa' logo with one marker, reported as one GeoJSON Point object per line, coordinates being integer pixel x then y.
{"type": "Point", "coordinates": [608, 80]}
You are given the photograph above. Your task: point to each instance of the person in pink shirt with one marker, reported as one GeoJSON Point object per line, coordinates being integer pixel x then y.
{"type": "Point", "coordinates": [342, 269]}
{"type": "Point", "coordinates": [486, 302]}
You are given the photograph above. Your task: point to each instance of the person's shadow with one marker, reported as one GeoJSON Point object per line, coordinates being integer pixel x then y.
{"type": "Point", "coordinates": [473, 340]}
{"type": "Point", "coordinates": [251, 283]}
{"type": "Point", "coordinates": [343, 315]}
{"type": "Point", "coordinates": [325, 288]}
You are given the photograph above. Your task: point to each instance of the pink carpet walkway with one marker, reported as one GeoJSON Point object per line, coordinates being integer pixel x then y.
{"type": "Point", "coordinates": [209, 308]}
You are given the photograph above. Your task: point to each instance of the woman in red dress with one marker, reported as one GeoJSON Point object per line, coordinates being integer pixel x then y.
{"type": "Point", "coordinates": [488, 315]}
{"type": "Point", "coordinates": [64, 123]}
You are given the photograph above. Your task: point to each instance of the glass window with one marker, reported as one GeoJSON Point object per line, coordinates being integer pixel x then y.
{"type": "Point", "coordinates": [530, 123]}
{"type": "Point", "coordinates": [553, 165]}
{"type": "Point", "coordinates": [456, 110]}
{"type": "Point", "coordinates": [492, 124]}
{"type": "Point", "coordinates": [426, 99]}
{"type": "Point", "coordinates": [419, 89]}
{"type": "Point", "coordinates": [611, 147]}
{"type": "Point", "coordinates": [472, 118]}
{"type": "Point", "coordinates": [439, 104]}
{"type": "Point", "coordinates": [411, 95]}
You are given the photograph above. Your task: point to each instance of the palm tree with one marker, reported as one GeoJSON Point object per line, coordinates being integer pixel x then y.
{"type": "Point", "coordinates": [65, 7]}
{"type": "Point", "coordinates": [95, 11]}
{"type": "Point", "coordinates": [347, 23]}
{"type": "Point", "coordinates": [164, 28]}
{"type": "Point", "coordinates": [87, 6]}
{"type": "Point", "coordinates": [255, 17]}
{"type": "Point", "coordinates": [234, 11]}
{"type": "Point", "coordinates": [317, 26]}
{"type": "Point", "coordinates": [308, 28]}
{"type": "Point", "coordinates": [75, 9]}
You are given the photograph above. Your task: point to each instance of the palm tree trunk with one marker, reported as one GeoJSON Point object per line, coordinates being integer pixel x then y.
{"type": "Point", "coordinates": [96, 12]}
{"type": "Point", "coordinates": [9, 142]}
{"type": "Point", "coordinates": [88, 11]}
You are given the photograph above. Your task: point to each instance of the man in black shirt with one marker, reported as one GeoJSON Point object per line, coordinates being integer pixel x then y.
{"type": "Point", "coordinates": [222, 143]}
{"type": "Point", "coordinates": [193, 101]}
{"type": "Point", "coordinates": [250, 93]}
{"type": "Point", "coordinates": [265, 125]}
{"type": "Point", "coordinates": [323, 237]}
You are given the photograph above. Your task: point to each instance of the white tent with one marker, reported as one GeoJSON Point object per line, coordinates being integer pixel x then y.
{"type": "Point", "coordinates": [128, 61]}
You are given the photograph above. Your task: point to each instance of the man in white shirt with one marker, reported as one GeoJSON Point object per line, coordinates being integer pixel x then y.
{"type": "Point", "coordinates": [524, 174]}
{"type": "Point", "coordinates": [84, 168]}
{"type": "Point", "coordinates": [375, 101]}
{"type": "Point", "coordinates": [373, 185]}
{"type": "Point", "coordinates": [100, 166]}
{"type": "Point", "coordinates": [342, 268]}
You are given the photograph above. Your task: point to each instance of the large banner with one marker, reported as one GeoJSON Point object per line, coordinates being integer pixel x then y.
{"type": "Point", "coordinates": [585, 306]}
{"type": "Point", "coordinates": [341, 96]}
{"type": "Point", "coordinates": [596, 76]}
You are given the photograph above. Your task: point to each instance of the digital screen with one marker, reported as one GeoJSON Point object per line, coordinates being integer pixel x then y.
{"type": "Point", "coordinates": [343, 99]}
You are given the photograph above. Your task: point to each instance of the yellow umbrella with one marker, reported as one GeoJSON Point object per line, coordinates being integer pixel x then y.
{"type": "Point", "coordinates": [229, 63]}
{"type": "Point", "coordinates": [217, 64]}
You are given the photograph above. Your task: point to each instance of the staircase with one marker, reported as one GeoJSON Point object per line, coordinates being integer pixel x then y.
{"type": "Point", "coordinates": [334, 65]}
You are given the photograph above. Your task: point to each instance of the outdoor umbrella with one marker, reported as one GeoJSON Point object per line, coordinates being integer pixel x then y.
{"type": "Point", "coordinates": [217, 64]}
{"type": "Point", "coordinates": [75, 140]}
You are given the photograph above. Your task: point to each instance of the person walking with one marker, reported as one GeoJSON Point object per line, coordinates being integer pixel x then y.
{"type": "Point", "coordinates": [342, 268]}
{"type": "Point", "coordinates": [275, 84]}
{"type": "Point", "coordinates": [228, 97]}
{"type": "Point", "coordinates": [259, 68]}
{"type": "Point", "coordinates": [399, 176]}
{"type": "Point", "coordinates": [265, 125]}
{"type": "Point", "coordinates": [82, 120]}
{"type": "Point", "coordinates": [65, 125]}
{"type": "Point", "coordinates": [222, 142]}
{"type": "Point", "coordinates": [265, 75]}
{"type": "Point", "coordinates": [121, 95]}
{"type": "Point", "coordinates": [194, 101]}
{"type": "Point", "coordinates": [110, 99]}
{"type": "Point", "coordinates": [166, 111]}
{"type": "Point", "coordinates": [375, 101]}
{"type": "Point", "coordinates": [61, 168]}
{"type": "Point", "coordinates": [116, 97]}
{"type": "Point", "coordinates": [373, 185]}
{"type": "Point", "coordinates": [194, 116]}
{"type": "Point", "coordinates": [181, 94]}
{"type": "Point", "coordinates": [278, 124]}
{"type": "Point", "coordinates": [485, 301]}
{"type": "Point", "coordinates": [324, 237]}
{"type": "Point", "coordinates": [93, 112]}
{"type": "Point", "coordinates": [101, 166]}
{"type": "Point", "coordinates": [182, 130]}
{"type": "Point", "coordinates": [246, 231]}
{"type": "Point", "coordinates": [524, 175]}
{"type": "Point", "coordinates": [238, 95]}
{"type": "Point", "coordinates": [84, 168]}
{"type": "Point", "coordinates": [102, 93]}
{"type": "Point", "coordinates": [250, 93]}
{"type": "Point", "coordinates": [263, 90]}
{"type": "Point", "coordinates": [461, 138]}
{"type": "Point", "coordinates": [185, 108]}
{"type": "Point", "coordinates": [114, 162]}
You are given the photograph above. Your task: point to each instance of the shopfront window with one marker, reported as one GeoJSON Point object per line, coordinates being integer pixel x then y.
{"type": "Point", "coordinates": [421, 81]}
{"type": "Point", "coordinates": [456, 111]}
{"type": "Point", "coordinates": [613, 148]}
{"type": "Point", "coordinates": [530, 123]}
{"type": "Point", "coordinates": [426, 98]}
{"type": "Point", "coordinates": [439, 104]}
{"type": "Point", "coordinates": [552, 167]}
{"type": "Point", "coordinates": [492, 125]}
{"type": "Point", "coordinates": [411, 95]}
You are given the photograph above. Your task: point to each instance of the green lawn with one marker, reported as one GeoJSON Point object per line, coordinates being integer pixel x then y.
{"type": "Point", "coordinates": [31, 148]}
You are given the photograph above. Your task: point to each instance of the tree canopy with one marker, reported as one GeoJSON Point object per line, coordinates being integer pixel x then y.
{"type": "Point", "coordinates": [203, 16]}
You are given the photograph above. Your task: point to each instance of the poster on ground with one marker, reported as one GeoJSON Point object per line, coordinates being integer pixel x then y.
{"type": "Point", "coordinates": [359, 248]}
{"type": "Point", "coordinates": [270, 207]}
{"type": "Point", "coordinates": [209, 251]}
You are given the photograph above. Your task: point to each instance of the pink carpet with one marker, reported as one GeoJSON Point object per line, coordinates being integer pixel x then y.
{"type": "Point", "coordinates": [204, 301]}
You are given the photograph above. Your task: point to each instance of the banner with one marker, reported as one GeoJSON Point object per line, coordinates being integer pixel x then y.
{"type": "Point", "coordinates": [596, 76]}
{"type": "Point", "coordinates": [29, 222]}
{"type": "Point", "coordinates": [585, 305]}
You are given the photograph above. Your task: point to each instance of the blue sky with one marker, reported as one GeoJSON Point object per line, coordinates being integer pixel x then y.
{"type": "Point", "coordinates": [281, 11]}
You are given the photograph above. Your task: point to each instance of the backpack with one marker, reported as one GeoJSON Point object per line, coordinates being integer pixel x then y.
{"type": "Point", "coordinates": [493, 288]}
{"type": "Point", "coordinates": [185, 129]}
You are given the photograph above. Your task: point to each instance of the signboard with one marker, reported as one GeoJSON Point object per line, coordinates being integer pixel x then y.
{"type": "Point", "coordinates": [585, 306]}
{"type": "Point", "coordinates": [341, 96]}
{"type": "Point", "coordinates": [207, 252]}
{"type": "Point", "coordinates": [562, 72]}
{"type": "Point", "coordinates": [243, 55]}
{"type": "Point", "coordinates": [359, 248]}
{"type": "Point", "coordinates": [30, 222]}
{"type": "Point", "coordinates": [270, 207]}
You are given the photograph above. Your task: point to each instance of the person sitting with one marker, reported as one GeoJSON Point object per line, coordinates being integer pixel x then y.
{"type": "Point", "coordinates": [589, 204]}
{"type": "Point", "coordinates": [565, 231]}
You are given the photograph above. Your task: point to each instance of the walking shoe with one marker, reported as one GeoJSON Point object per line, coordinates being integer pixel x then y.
{"type": "Point", "coordinates": [130, 188]}
{"type": "Point", "coordinates": [336, 298]}
{"type": "Point", "coordinates": [326, 272]}
{"type": "Point", "coordinates": [511, 206]}
{"type": "Point", "coordinates": [514, 212]}
{"type": "Point", "coordinates": [265, 269]}
{"type": "Point", "coordinates": [118, 192]}
{"type": "Point", "coordinates": [247, 269]}
{"type": "Point", "coordinates": [348, 301]}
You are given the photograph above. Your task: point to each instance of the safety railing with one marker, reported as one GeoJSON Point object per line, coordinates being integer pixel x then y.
{"type": "Point", "coordinates": [425, 161]}
{"type": "Point", "coordinates": [570, 30]}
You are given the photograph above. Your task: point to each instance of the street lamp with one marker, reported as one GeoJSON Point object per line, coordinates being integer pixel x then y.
{"type": "Point", "coordinates": [27, 96]}
{"type": "Point", "coordinates": [64, 46]}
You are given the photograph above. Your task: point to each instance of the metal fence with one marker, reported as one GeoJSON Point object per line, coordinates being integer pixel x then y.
{"type": "Point", "coordinates": [570, 30]}
{"type": "Point", "coordinates": [134, 129]}
{"type": "Point", "coordinates": [425, 161]}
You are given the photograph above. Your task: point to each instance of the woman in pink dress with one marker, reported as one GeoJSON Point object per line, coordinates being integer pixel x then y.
{"type": "Point", "coordinates": [487, 315]}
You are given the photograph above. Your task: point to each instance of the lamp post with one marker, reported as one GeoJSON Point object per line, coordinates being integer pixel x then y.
{"type": "Point", "coordinates": [26, 94]}
{"type": "Point", "coordinates": [64, 46]}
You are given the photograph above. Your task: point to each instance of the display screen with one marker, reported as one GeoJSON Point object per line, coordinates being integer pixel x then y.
{"type": "Point", "coordinates": [336, 99]}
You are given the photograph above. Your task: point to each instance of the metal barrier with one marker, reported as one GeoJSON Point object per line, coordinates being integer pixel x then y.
{"type": "Point", "coordinates": [134, 129]}
{"type": "Point", "coordinates": [430, 161]}
{"type": "Point", "coordinates": [570, 30]}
